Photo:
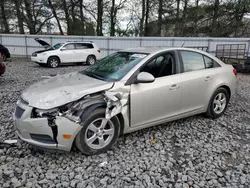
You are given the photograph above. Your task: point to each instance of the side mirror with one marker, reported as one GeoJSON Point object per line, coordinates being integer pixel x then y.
{"type": "Point", "coordinates": [63, 48]}
{"type": "Point", "coordinates": [144, 77]}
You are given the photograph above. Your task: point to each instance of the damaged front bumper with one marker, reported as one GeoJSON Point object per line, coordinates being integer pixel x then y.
{"type": "Point", "coordinates": [40, 132]}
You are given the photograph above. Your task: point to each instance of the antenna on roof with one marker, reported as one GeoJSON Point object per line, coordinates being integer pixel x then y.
{"type": "Point", "coordinates": [183, 44]}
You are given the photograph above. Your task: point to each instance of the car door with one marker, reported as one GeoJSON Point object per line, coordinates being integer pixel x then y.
{"type": "Point", "coordinates": [81, 52]}
{"type": "Point", "coordinates": [67, 53]}
{"type": "Point", "coordinates": [153, 102]}
{"type": "Point", "coordinates": [197, 82]}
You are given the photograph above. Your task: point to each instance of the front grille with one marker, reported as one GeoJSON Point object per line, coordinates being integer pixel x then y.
{"type": "Point", "coordinates": [19, 112]}
{"type": "Point", "coordinates": [43, 138]}
{"type": "Point", "coordinates": [24, 101]}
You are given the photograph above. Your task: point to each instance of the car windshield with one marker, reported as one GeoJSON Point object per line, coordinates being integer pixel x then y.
{"type": "Point", "coordinates": [115, 66]}
{"type": "Point", "coordinates": [58, 45]}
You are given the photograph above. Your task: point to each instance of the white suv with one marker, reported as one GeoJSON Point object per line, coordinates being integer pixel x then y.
{"type": "Point", "coordinates": [67, 52]}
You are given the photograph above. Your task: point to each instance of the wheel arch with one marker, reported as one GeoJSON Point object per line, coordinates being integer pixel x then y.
{"type": "Point", "coordinates": [87, 111]}
{"type": "Point", "coordinates": [91, 55]}
{"type": "Point", "coordinates": [226, 88]}
{"type": "Point", "coordinates": [50, 56]}
{"type": "Point", "coordinates": [223, 85]}
{"type": "Point", "coordinates": [93, 107]}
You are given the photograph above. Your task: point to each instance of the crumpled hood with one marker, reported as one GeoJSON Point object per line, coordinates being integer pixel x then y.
{"type": "Point", "coordinates": [62, 89]}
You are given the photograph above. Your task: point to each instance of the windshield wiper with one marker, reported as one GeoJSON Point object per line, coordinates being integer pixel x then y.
{"type": "Point", "coordinates": [93, 75]}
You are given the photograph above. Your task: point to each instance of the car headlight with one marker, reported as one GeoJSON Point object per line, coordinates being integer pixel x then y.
{"type": "Point", "coordinates": [59, 111]}
{"type": "Point", "coordinates": [34, 54]}
{"type": "Point", "coordinates": [46, 113]}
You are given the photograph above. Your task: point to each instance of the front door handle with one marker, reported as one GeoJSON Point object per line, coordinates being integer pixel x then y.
{"type": "Point", "coordinates": [208, 78]}
{"type": "Point", "coordinates": [174, 86]}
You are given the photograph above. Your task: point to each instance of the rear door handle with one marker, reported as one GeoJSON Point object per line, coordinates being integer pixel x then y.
{"type": "Point", "coordinates": [208, 78]}
{"type": "Point", "coordinates": [173, 87]}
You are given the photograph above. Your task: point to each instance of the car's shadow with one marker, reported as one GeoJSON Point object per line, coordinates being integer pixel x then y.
{"type": "Point", "coordinates": [61, 66]}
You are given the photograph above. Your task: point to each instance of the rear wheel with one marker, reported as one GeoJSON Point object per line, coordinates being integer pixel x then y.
{"type": "Point", "coordinates": [91, 60]}
{"type": "Point", "coordinates": [98, 134]}
{"type": "Point", "coordinates": [53, 62]}
{"type": "Point", "coordinates": [218, 103]}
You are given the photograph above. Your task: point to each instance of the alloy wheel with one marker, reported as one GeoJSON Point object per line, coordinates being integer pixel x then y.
{"type": "Point", "coordinates": [54, 63]}
{"type": "Point", "coordinates": [91, 60]}
{"type": "Point", "coordinates": [220, 102]}
{"type": "Point", "coordinates": [99, 133]}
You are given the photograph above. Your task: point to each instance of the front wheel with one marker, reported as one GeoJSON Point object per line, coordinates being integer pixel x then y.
{"type": "Point", "coordinates": [98, 134]}
{"type": "Point", "coordinates": [218, 103]}
{"type": "Point", "coordinates": [53, 62]}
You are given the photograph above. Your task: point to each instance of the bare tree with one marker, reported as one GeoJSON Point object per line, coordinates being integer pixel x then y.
{"type": "Point", "coordinates": [177, 24]}
{"type": "Point", "coordinates": [99, 17]}
{"type": "Point", "coordinates": [142, 17]}
{"type": "Point", "coordinates": [29, 18]}
{"type": "Point", "coordinates": [4, 17]}
{"type": "Point", "coordinates": [55, 15]}
{"type": "Point", "coordinates": [67, 17]}
{"type": "Point", "coordinates": [196, 17]}
{"type": "Point", "coordinates": [19, 16]}
{"type": "Point", "coordinates": [146, 28]}
{"type": "Point", "coordinates": [184, 16]}
{"type": "Point", "coordinates": [81, 13]}
{"type": "Point", "coordinates": [160, 12]}
{"type": "Point", "coordinates": [215, 17]}
{"type": "Point", "coordinates": [113, 14]}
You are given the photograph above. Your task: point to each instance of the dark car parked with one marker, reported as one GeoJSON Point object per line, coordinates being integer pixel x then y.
{"type": "Point", "coordinates": [5, 52]}
{"type": "Point", "coordinates": [2, 66]}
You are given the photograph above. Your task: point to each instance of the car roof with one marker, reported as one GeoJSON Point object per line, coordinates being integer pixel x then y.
{"type": "Point", "coordinates": [88, 42]}
{"type": "Point", "coordinates": [155, 49]}
{"type": "Point", "coordinates": [148, 50]}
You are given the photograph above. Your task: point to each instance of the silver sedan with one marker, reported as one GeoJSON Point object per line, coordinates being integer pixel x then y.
{"type": "Point", "coordinates": [123, 92]}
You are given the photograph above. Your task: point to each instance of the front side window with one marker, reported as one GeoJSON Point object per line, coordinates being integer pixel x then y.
{"type": "Point", "coordinates": [115, 66]}
{"type": "Point", "coordinates": [58, 45]}
{"type": "Point", "coordinates": [162, 65]}
{"type": "Point", "coordinates": [69, 47]}
{"type": "Point", "coordinates": [192, 61]}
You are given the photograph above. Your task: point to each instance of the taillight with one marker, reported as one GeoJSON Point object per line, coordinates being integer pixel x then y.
{"type": "Point", "coordinates": [99, 51]}
{"type": "Point", "coordinates": [235, 72]}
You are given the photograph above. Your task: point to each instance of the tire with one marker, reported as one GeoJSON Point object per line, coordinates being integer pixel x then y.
{"type": "Point", "coordinates": [53, 62]}
{"type": "Point", "coordinates": [94, 146]}
{"type": "Point", "coordinates": [91, 59]}
{"type": "Point", "coordinates": [213, 109]}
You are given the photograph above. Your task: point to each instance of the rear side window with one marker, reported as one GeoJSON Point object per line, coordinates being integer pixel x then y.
{"type": "Point", "coordinates": [210, 63]}
{"type": "Point", "coordinates": [89, 45]}
{"type": "Point", "coordinates": [84, 45]}
{"type": "Point", "coordinates": [192, 61]}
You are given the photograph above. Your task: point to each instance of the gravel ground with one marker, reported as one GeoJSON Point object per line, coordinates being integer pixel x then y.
{"type": "Point", "coordinates": [193, 152]}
